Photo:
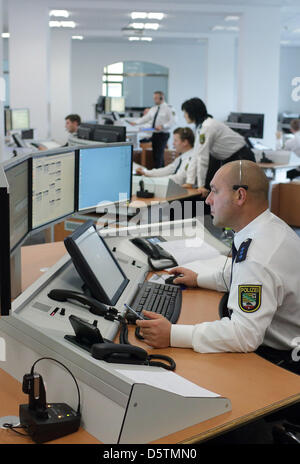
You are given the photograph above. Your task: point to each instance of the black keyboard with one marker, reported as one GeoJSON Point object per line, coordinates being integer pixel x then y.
{"type": "Point", "coordinates": [160, 298]}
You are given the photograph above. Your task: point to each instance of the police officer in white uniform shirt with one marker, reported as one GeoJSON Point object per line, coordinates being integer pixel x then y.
{"type": "Point", "coordinates": [215, 145]}
{"type": "Point", "coordinates": [183, 141]}
{"type": "Point", "coordinates": [264, 290]}
{"type": "Point", "coordinates": [161, 118]}
{"type": "Point", "coordinates": [292, 144]}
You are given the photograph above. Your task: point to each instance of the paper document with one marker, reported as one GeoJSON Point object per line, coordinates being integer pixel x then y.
{"type": "Point", "coordinates": [188, 250]}
{"type": "Point", "coordinates": [168, 381]}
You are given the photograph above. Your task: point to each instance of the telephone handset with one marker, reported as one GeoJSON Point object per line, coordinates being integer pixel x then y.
{"type": "Point", "coordinates": [158, 258]}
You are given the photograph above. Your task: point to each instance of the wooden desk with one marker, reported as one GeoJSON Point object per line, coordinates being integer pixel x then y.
{"type": "Point", "coordinates": [254, 386]}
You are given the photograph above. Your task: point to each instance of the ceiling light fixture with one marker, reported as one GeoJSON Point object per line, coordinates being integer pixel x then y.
{"type": "Point", "coordinates": [218, 28]}
{"type": "Point", "coordinates": [146, 39]}
{"type": "Point", "coordinates": [152, 26]}
{"type": "Point", "coordinates": [77, 37]}
{"type": "Point", "coordinates": [137, 25]}
{"type": "Point", "coordinates": [5, 35]}
{"type": "Point", "coordinates": [133, 39]}
{"type": "Point", "coordinates": [158, 16]}
{"type": "Point", "coordinates": [232, 18]}
{"type": "Point", "coordinates": [68, 24]}
{"type": "Point", "coordinates": [59, 13]}
{"type": "Point", "coordinates": [138, 15]}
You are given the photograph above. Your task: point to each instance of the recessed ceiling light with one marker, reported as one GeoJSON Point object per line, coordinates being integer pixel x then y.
{"type": "Point", "coordinates": [218, 28]}
{"type": "Point", "coordinates": [158, 16]}
{"type": "Point", "coordinates": [138, 15]}
{"type": "Point", "coordinates": [59, 13]}
{"type": "Point", "coordinates": [68, 24]}
{"type": "Point", "coordinates": [232, 18]}
{"type": "Point", "coordinates": [232, 28]}
{"type": "Point", "coordinates": [146, 39]}
{"type": "Point", "coordinates": [77, 37]}
{"type": "Point", "coordinates": [133, 39]}
{"type": "Point", "coordinates": [152, 26]}
{"type": "Point", "coordinates": [137, 25]}
{"type": "Point", "coordinates": [5, 35]}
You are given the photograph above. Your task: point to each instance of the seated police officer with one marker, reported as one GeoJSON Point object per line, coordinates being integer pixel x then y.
{"type": "Point", "coordinates": [183, 141]}
{"type": "Point", "coordinates": [262, 277]}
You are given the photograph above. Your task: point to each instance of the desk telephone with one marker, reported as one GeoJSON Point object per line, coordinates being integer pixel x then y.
{"type": "Point", "coordinates": [158, 258]}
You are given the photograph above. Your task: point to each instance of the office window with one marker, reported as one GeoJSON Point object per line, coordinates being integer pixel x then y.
{"type": "Point", "coordinates": [136, 81]}
{"type": "Point", "coordinates": [112, 85]}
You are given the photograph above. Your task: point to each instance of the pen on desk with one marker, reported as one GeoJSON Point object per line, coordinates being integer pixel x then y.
{"type": "Point", "coordinates": [139, 316]}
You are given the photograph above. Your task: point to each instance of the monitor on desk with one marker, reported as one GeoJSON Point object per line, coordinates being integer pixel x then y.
{"type": "Point", "coordinates": [17, 174]}
{"type": "Point", "coordinates": [255, 121]}
{"type": "Point", "coordinates": [102, 133]}
{"type": "Point", "coordinates": [53, 187]}
{"type": "Point", "coordinates": [104, 172]}
{"type": "Point", "coordinates": [5, 291]}
{"type": "Point", "coordinates": [114, 104]}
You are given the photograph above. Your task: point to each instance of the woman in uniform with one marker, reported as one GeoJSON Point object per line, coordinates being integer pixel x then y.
{"type": "Point", "coordinates": [215, 144]}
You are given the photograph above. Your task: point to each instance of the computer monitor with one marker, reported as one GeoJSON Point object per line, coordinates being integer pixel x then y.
{"type": "Point", "coordinates": [104, 172]}
{"type": "Point", "coordinates": [53, 187]}
{"type": "Point", "coordinates": [102, 133]}
{"type": "Point", "coordinates": [114, 104]}
{"type": "Point", "coordinates": [20, 119]}
{"type": "Point", "coordinates": [5, 289]}
{"type": "Point", "coordinates": [256, 122]}
{"type": "Point", "coordinates": [95, 264]}
{"type": "Point", "coordinates": [17, 174]}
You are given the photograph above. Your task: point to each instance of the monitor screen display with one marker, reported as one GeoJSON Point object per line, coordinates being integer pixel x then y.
{"type": "Point", "coordinates": [96, 264]}
{"type": "Point", "coordinates": [114, 104]}
{"type": "Point", "coordinates": [104, 175]}
{"type": "Point", "coordinates": [20, 119]}
{"type": "Point", "coordinates": [17, 177]}
{"type": "Point", "coordinates": [5, 290]}
{"type": "Point", "coordinates": [53, 187]}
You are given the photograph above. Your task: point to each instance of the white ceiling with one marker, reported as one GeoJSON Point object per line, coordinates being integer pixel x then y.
{"type": "Point", "coordinates": [186, 21]}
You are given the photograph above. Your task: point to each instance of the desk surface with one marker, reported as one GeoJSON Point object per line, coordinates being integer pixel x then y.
{"type": "Point", "coordinates": [254, 386]}
{"type": "Point", "coordinates": [151, 201]}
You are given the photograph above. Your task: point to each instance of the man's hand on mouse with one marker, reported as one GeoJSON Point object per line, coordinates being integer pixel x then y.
{"type": "Point", "coordinates": [185, 276]}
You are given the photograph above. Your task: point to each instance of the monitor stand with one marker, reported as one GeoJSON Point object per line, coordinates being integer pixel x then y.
{"type": "Point", "coordinates": [15, 274]}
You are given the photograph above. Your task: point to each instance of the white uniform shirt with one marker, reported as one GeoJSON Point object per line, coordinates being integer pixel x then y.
{"type": "Point", "coordinates": [165, 117]}
{"type": "Point", "coordinates": [292, 144]}
{"type": "Point", "coordinates": [169, 170]}
{"type": "Point", "coordinates": [268, 280]}
{"type": "Point", "coordinates": [216, 139]}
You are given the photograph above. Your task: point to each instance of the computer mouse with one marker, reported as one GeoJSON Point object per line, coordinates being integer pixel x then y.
{"type": "Point", "coordinates": [170, 280]}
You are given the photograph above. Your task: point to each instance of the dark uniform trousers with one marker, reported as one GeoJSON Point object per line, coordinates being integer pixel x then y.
{"type": "Point", "coordinates": [159, 142]}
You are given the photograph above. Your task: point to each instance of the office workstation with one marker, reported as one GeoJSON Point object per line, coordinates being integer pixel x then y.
{"type": "Point", "coordinates": [123, 229]}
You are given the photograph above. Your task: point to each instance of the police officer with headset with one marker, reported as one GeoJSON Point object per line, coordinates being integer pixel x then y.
{"type": "Point", "coordinates": [263, 309]}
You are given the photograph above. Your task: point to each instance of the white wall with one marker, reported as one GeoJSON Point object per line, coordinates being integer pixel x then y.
{"type": "Point", "coordinates": [289, 68]}
{"type": "Point", "coordinates": [187, 70]}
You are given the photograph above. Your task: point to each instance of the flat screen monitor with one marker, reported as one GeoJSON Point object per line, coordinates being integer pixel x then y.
{"type": "Point", "coordinates": [53, 187]}
{"type": "Point", "coordinates": [256, 122]}
{"type": "Point", "coordinates": [96, 264]}
{"type": "Point", "coordinates": [20, 119]}
{"type": "Point", "coordinates": [5, 290]}
{"type": "Point", "coordinates": [18, 179]}
{"type": "Point", "coordinates": [104, 175]}
{"type": "Point", "coordinates": [102, 133]}
{"type": "Point", "coordinates": [114, 104]}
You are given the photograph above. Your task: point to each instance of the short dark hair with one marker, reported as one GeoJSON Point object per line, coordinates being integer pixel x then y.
{"type": "Point", "coordinates": [295, 124]}
{"type": "Point", "coordinates": [196, 110]}
{"type": "Point", "coordinates": [185, 133]}
{"type": "Point", "coordinates": [159, 92]}
{"type": "Point", "coordinates": [74, 118]}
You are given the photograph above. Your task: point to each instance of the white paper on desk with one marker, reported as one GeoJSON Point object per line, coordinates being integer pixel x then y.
{"type": "Point", "coordinates": [168, 381]}
{"type": "Point", "coordinates": [188, 250]}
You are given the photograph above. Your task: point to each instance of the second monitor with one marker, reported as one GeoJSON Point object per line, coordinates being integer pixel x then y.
{"type": "Point", "coordinates": [105, 174]}
{"type": "Point", "coordinates": [102, 133]}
